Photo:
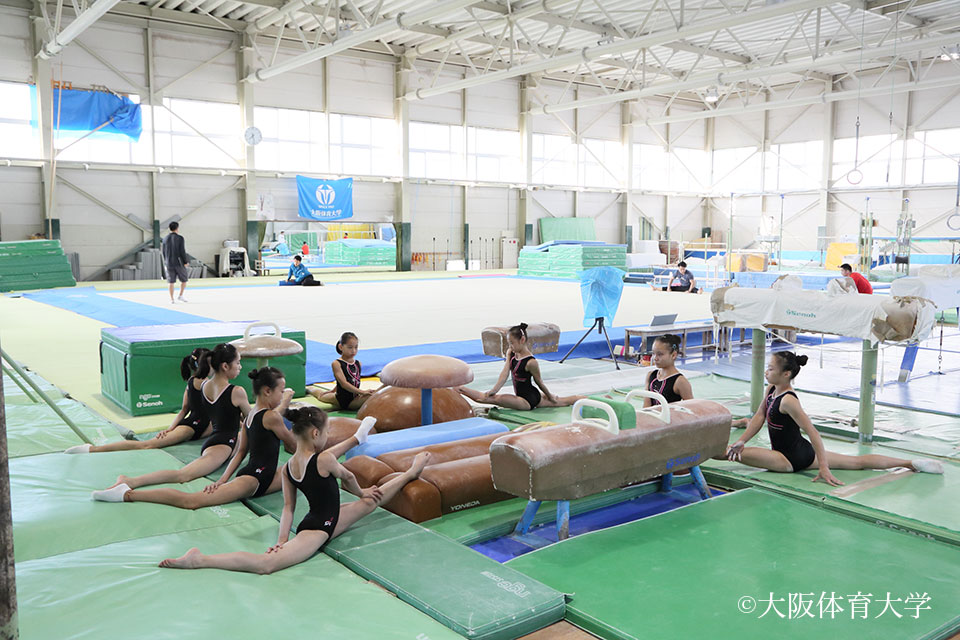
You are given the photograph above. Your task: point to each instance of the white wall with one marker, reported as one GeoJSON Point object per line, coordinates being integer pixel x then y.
{"type": "Point", "coordinates": [366, 87]}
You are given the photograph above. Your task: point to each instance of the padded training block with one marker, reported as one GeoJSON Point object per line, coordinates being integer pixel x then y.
{"type": "Point", "coordinates": [140, 366]}
{"type": "Point", "coordinates": [542, 337]}
{"type": "Point", "coordinates": [380, 443]}
{"type": "Point", "coordinates": [475, 596]}
{"type": "Point", "coordinates": [576, 460]}
{"type": "Point", "coordinates": [458, 477]}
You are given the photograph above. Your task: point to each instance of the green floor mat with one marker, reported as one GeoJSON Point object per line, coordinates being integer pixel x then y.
{"type": "Point", "coordinates": [14, 393]}
{"type": "Point", "coordinates": [921, 502]}
{"type": "Point", "coordinates": [692, 572]}
{"type": "Point", "coordinates": [53, 512]}
{"type": "Point", "coordinates": [486, 522]}
{"type": "Point", "coordinates": [35, 428]}
{"type": "Point", "coordinates": [118, 592]}
{"type": "Point", "coordinates": [468, 592]}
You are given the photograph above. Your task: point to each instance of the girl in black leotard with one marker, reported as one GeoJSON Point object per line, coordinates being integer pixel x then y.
{"type": "Point", "coordinates": [261, 434]}
{"type": "Point", "coordinates": [792, 452]}
{"type": "Point", "coordinates": [191, 423]}
{"type": "Point", "coordinates": [525, 371]}
{"type": "Point", "coordinates": [313, 471]}
{"type": "Point", "coordinates": [223, 403]}
{"type": "Point", "coordinates": [667, 379]}
{"type": "Point", "coordinates": [347, 395]}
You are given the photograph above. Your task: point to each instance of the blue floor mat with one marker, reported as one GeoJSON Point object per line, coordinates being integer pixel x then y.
{"type": "Point", "coordinates": [88, 302]}
{"type": "Point", "coordinates": [510, 546]}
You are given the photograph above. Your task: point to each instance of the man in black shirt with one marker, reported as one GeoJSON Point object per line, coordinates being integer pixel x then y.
{"type": "Point", "coordinates": [175, 257]}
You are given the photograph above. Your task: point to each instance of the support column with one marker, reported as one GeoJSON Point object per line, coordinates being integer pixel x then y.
{"type": "Point", "coordinates": [626, 198]}
{"type": "Point", "coordinates": [827, 206]}
{"type": "Point", "coordinates": [527, 83]}
{"type": "Point", "coordinates": [8, 583]}
{"type": "Point", "coordinates": [758, 346]}
{"type": "Point", "coordinates": [150, 101]}
{"type": "Point", "coordinates": [402, 213]}
{"type": "Point", "coordinates": [43, 75]}
{"type": "Point", "coordinates": [868, 391]}
{"type": "Point", "coordinates": [246, 61]}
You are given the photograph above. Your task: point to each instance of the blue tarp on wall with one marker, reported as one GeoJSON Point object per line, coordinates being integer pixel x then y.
{"type": "Point", "coordinates": [75, 110]}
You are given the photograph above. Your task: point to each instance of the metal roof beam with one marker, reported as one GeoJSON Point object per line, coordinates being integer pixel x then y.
{"type": "Point", "coordinates": [597, 53]}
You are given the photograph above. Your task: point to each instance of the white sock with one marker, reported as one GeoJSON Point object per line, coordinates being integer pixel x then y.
{"type": "Point", "coordinates": [364, 429]}
{"type": "Point", "coordinates": [926, 465]}
{"type": "Point", "coordinates": [113, 494]}
{"type": "Point", "coordinates": [79, 448]}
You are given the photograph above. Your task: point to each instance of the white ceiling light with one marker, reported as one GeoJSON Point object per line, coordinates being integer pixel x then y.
{"type": "Point", "coordinates": [713, 96]}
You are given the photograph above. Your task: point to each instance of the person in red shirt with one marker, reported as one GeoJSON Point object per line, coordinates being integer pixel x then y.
{"type": "Point", "coordinates": [863, 285]}
{"type": "Point", "coordinates": [305, 249]}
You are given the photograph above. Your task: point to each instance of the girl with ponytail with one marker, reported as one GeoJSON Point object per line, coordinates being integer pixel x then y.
{"type": "Point", "coordinates": [191, 423]}
{"type": "Point", "coordinates": [223, 406]}
{"type": "Point", "coordinates": [347, 395]}
{"type": "Point", "coordinates": [525, 371]}
{"type": "Point", "coordinates": [791, 452]}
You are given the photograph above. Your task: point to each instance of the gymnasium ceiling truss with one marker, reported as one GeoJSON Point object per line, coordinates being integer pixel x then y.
{"type": "Point", "coordinates": [721, 56]}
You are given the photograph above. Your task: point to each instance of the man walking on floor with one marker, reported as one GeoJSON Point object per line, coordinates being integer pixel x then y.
{"type": "Point", "coordinates": [175, 256]}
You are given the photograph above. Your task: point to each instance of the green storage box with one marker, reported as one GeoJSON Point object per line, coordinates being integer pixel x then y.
{"type": "Point", "coordinates": [140, 366]}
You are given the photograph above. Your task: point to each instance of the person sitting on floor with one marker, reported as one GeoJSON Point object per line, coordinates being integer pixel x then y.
{"type": "Point", "coordinates": [686, 283]}
{"type": "Point", "coordinates": [529, 391]}
{"type": "Point", "coordinates": [300, 275]}
{"type": "Point", "coordinates": [863, 285]}
{"type": "Point", "coordinates": [787, 423]}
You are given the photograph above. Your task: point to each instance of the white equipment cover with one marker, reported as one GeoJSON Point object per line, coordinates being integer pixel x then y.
{"type": "Point", "coordinates": [937, 283]}
{"type": "Point", "coordinates": [867, 317]}
{"type": "Point", "coordinates": [636, 260]}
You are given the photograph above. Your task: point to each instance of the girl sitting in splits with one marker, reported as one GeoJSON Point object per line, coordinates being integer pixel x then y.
{"type": "Point", "coordinates": [314, 471]}
{"type": "Point", "coordinates": [347, 395]}
{"type": "Point", "coordinates": [262, 434]}
{"type": "Point", "coordinates": [524, 368]}
{"type": "Point", "coordinates": [222, 404]}
{"type": "Point", "coordinates": [191, 423]}
{"type": "Point", "coordinates": [667, 379]}
{"type": "Point", "coordinates": [791, 451]}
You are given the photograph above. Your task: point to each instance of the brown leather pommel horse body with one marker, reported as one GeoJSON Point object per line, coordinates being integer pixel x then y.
{"type": "Point", "coordinates": [588, 456]}
{"type": "Point", "coordinates": [458, 477]}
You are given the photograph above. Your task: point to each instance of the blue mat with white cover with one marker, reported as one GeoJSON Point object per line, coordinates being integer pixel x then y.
{"type": "Point", "coordinates": [380, 443]}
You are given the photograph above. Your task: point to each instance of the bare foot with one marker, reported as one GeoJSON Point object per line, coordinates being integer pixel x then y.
{"type": "Point", "coordinates": [419, 462]}
{"type": "Point", "coordinates": [121, 480]}
{"type": "Point", "coordinates": [189, 560]}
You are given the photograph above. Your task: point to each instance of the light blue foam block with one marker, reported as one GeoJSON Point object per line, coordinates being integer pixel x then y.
{"type": "Point", "coordinates": [380, 443]}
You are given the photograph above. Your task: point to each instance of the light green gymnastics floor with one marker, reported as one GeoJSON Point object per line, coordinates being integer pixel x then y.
{"type": "Point", "coordinates": [705, 570]}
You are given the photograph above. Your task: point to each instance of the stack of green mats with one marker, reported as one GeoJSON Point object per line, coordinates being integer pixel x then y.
{"type": "Point", "coordinates": [566, 261]}
{"type": "Point", "coordinates": [338, 252]}
{"type": "Point", "coordinates": [295, 239]}
{"type": "Point", "coordinates": [534, 263]}
{"type": "Point", "coordinates": [567, 229]}
{"type": "Point", "coordinates": [34, 264]}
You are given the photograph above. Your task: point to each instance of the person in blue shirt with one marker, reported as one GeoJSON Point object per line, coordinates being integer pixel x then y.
{"type": "Point", "coordinates": [685, 282]}
{"type": "Point", "coordinates": [299, 274]}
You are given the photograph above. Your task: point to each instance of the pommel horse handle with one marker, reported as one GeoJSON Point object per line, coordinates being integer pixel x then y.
{"type": "Point", "coordinates": [276, 328]}
{"type": "Point", "coordinates": [576, 414]}
{"type": "Point", "coordinates": [663, 415]}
